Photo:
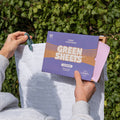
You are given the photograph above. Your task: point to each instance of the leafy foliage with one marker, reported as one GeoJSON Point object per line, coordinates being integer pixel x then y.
{"type": "Point", "coordinates": [94, 17]}
{"type": "Point", "coordinates": [112, 91]}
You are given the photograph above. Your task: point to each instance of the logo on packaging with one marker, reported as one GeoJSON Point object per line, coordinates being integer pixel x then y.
{"type": "Point", "coordinates": [71, 54]}
{"type": "Point", "coordinates": [84, 73]}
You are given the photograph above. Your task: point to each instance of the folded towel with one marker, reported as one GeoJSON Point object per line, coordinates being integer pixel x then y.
{"type": "Point", "coordinates": [101, 57]}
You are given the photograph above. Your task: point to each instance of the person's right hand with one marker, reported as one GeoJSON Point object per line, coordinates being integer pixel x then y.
{"type": "Point", "coordinates": [12, 42]}
{"type": "Point", "coordinates": [84, 89]}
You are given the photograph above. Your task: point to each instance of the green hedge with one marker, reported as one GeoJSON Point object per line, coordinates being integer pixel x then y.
{"type": "Point", "coordinates": [94, 17]}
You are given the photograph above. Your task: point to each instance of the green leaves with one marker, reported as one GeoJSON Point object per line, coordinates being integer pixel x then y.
{"type": "Point", "coordinates": [20, 3]}
{"type": "Point", "coordinates": [115, 43]}
{"type": "Point", "coordinates": [112, 86]}
{"type": "Point", "coordinates": [94, 17]}
{"type": "Point", "coordinates": [118, 108]}
{"type": "Point", "coordinates": [118, 23]}
{"type": "Point", "coordinates": [27, 3]}
{"type": "Point", "coordinates": [89, 6]}
{"type": "Point", "coordinates": [35, 10]}
{"type": "Point", "coordinates": [118, 79]}
{"type": "Point", "coordinates": [39, 6]}
{"type": "Point", "coordinates": [24, 14]}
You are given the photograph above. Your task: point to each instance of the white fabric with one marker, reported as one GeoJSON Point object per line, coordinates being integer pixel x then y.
{"type": "Point", "coordinates": [50, 93]}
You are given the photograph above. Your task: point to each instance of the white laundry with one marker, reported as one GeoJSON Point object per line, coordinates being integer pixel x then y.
{"type": "Point", "coordinates": [50, 93]}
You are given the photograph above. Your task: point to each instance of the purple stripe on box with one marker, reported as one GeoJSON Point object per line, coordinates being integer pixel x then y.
{"type": "Point", "coordinates": [54, 66]}
{"type": "Point", "coordinates": [74, 40]}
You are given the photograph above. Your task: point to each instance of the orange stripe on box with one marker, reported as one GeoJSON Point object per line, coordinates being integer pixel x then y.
{"type": "Point", "coordinates": [88, 55]}
{"type": "Point", "coordinates": [51, 47]}
{"type": "Point", "coordinates": [88, 60]}
{"type": "Point", "coordinates": [89, 52]}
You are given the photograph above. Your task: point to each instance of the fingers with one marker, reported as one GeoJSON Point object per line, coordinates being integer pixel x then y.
{"type": "Point", "coordinates": [91, 89]}
{"type": "Point", "coordinates": [21, 36]}
{"type": "Point", "coordinates": [18, 33]}
{"type": "Point", "coordinates": [30, 36]}
{"type": "Point", "coordinates": [77, 78]}
{"type": "Point", "coordinates": [93, 86]}
{"type": "Point", "coordinates": [22, 39]}
{"type": "Point", "coordinates": [90, 85]}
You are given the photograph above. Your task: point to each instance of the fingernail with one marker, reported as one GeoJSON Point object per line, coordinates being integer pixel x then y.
{"type": "Point", "coordinates": [76, 71]}
{"type": "Point", "coordinates": [25, 36]}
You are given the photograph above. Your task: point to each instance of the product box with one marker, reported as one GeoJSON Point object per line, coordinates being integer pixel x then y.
{"type": "Point", "coordinates": [67, 52]}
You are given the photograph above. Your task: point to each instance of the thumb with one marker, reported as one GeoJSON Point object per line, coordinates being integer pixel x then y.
{"type": "Point", "coordinates": [22, 39]}
{"type": "Point", "coordinates": [78, 78]}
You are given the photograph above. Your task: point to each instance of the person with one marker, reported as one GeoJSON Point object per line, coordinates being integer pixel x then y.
{"type": "Point", "coordinates": [9, 109]}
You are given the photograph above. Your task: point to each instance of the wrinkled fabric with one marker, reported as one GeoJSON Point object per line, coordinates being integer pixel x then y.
{"type": "Point", "coordinates": [9, 109]}
{"type": "Point", "coordinates": [56, 93]}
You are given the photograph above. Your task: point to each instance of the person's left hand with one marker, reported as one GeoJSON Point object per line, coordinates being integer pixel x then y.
{"type": "Point", "coordinates": [12, 42]}
{"type": "Point", "coordinates": [84, 89]}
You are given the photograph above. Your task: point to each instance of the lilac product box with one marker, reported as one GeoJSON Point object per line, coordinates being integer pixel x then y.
{"type": "Point", "coordinates": [67, 52]}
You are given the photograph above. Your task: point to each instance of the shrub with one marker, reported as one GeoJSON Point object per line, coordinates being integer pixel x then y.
{"type": "Point", "coordinates": [94, 17]}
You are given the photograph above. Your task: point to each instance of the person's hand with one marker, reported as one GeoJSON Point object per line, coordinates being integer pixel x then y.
{"type": "Point", "coordinates": [12, 42]}
{"type": "Point", "coordinates": [84, 89]}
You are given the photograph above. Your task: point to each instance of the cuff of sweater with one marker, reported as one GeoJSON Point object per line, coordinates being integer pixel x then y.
{"type": "Point", "coordinates": [4, 62]}
{"type": "Point", "coordinates": [80, 107]}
